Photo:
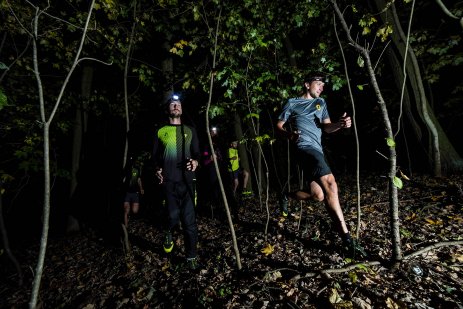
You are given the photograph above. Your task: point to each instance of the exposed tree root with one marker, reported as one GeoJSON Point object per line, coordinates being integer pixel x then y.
{"type": "Point", "coordinates": [327, 272]}
{"type": "Point", "coordinates": [433, 246]}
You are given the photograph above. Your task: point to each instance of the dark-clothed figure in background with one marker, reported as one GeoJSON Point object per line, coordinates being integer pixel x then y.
{"type": "Point", "coordinates": [133, 188]}
{"type": "Point", "coordinates": [310, 115]}
{"type": "Point", "coordinates": [176, 154]}
{"type": "Point", "coordinates": [210, 190]}
{"type": "Point", "coordinates": [235, 170]}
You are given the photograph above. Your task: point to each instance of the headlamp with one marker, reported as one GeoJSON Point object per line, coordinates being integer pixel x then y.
{"type": "Point", "coordinates": [315, 78]}
{"type": "Point", "coordinates": [173, 98]}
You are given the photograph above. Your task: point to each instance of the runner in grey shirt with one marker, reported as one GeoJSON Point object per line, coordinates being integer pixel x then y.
{"type": "Point", "coordinates": [307, 114]}
{"type": "Point", "coordinates": [310, 115]}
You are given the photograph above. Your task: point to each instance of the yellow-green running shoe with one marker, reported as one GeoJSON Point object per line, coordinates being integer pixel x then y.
{"type": "Point", "coordinates": [168, 243]}
{"type": "Point", "coordinates": [284, 205]}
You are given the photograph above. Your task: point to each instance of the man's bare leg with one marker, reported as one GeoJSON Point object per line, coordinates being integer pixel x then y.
{"type": "Point", "coordinates": [325, 189]}
{"type": "Point", "coordinates": [316, 193]}
{"type": "Point", "coordinates": [126, 213]}
{"type": "Point", "coordinates": [299, 195]}
{"type": "Point", "coordinates": [330, 188]}
{"type": "Point", "coordinates": [245, 180]}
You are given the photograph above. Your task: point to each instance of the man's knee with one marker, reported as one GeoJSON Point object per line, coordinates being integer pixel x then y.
{"type": "Point", "coordinates": [328, 182]}
{"type": "Point", "coordinates": [135, 208]}
{"type": "Point", "coordinates": [318, 196]}
{"type": "Point", "coordinates": [316, 191]}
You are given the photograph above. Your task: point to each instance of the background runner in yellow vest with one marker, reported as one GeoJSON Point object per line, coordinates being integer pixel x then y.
{"type": "Point", "coordinates": [236, 171]}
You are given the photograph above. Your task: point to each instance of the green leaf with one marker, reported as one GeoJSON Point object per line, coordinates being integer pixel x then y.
{"type": "Point", "coordinates": [360, 62]}
{"type": "Point", "coordinates": [405, 233]}
{"type": "Point", "coordinates": [390, 142]}
{"type": "Point", "coordinates": [3, 66]}
{"type": "Point", "coordinates": [353, 276]}
{"type": "Point", "coordinates": [3, 100]}
{"type": "Point", "coordinates": [362, 267]}
{"type": "Point", "coordinates": [252, 115]}
{"type": "Point", "coordinates": [398, 182]}
{"type": "Point", "coordinates": [215, 111]}
{"type": "Point", "coordinates": [262, 138]}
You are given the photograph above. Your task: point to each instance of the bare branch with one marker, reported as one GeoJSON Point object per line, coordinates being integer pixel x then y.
{"type": "Point", "coordinates": [17, 19]}
{"type": "Point", "coordinates": [446, 11]}
{"type": "Point", "coordinates": [76, 62]}
{"type": "Point", "coordinates": [434, 246]}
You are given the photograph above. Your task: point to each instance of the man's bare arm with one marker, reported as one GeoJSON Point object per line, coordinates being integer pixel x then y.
{"type": "Point", "coordinates": [293, 136]}
{"type": "Point", "coordinates": [343, 122]}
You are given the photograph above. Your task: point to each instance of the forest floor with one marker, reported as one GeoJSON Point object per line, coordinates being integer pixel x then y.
{"type": "Point", "coordinates": [305, 267]}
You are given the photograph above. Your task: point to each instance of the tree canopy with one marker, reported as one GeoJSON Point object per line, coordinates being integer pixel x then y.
{"type": "Point", "coordinates": [264, 49]}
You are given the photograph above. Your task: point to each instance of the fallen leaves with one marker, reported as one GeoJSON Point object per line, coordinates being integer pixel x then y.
{"type": "Point", "coordinates": [433, 222]}
{"type": "Point", "coordinates": [457, 258]}
{"type": "Point", "coordinates": [283, 271]}
{"type": "Point", "coordinates": [267, 250]}
{"type": "Point", "coordinates": [337, 301]}
{"type": "Point", "coordinates": [272, 276]}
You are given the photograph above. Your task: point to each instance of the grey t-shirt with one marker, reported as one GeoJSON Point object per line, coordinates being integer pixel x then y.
{"type": "Point", "coordinates": [307, 115]}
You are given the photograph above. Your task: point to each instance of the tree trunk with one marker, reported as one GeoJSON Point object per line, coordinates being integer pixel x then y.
{"type": "Point", "coordinates": [224, 196]}
{"type": "Point", "coordinates": [292, 61]}
{"type": "Point", "coordinates": [256, 156]}
{"type": "Point", "coordinates": [393, 193]}
{"type": "Point", "coordinates": [126, 74]}
{"type": "Point", "coordinates": [46, 122]}
{"type": "Point", "coordinates": [444, 155]}
{"type": "Point", "coordinates": [244, 160]}
{"type": "Point", "coordinates": [80, 127]}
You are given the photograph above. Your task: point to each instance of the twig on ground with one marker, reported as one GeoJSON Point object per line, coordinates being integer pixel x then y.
{"type": "Point", "coordinates": [433, 246]}
{"type": "Point", "coordinates": [327, 272]}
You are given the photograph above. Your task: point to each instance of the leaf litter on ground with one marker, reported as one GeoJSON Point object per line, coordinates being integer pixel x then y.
{"type": "Point", "coordinates": [299, 266]}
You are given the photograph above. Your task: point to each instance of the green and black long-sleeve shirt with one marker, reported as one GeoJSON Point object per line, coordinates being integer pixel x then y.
{"type": "Point", "coordinates": [173, 146]}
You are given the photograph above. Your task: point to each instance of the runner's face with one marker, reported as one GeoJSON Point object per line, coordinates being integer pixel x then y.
{"type": "Point", "coordinates": [175, 109]}
{"type": "Point", "coordinates": [315, 88]}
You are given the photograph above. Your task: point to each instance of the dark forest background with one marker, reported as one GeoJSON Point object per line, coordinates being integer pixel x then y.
{"type": "Point", "coordinates": [264, 49]}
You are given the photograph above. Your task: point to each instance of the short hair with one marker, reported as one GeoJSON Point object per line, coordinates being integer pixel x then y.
{"type": "Point", "coordinates": [315, 76]}
{"type": "Point", "coordinates": [173, 97]}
